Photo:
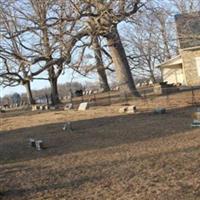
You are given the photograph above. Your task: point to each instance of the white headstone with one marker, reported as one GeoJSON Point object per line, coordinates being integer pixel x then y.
{"type": "Point", "coordinates": [68, 106]}
{"type": "Point", "coordinates": [150, 82]}
{"type": "Point", "coordinates": [83, 106]}
{"type": "Point", "coordinates": [38, 144]}
{"type": "Point", "coordinates": [46, 107]}
{"type": "Point", "coordinates": [131, 109]}
{"type": "Point", "coordinates": [32, 142]}
{"type": "Point", "coordinates": [42, 107]}
{"type": "Point", "coordinates": [90, 92]}
{"type": "Point", "coordinates": [35, 107]}
{"type": "Point", "coordinates": [123, 109]}
{"type": "Point", "coordinates": [138, 85]}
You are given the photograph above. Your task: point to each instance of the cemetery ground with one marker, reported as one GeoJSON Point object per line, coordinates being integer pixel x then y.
{"type": "Point", "coordinates": [107, 155]}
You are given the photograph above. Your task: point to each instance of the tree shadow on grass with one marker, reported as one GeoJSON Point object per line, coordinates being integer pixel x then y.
{"type": "Point", "coordinates": [102, 176]}
{"type": "Point", "coordinates": [15, 193]}
{"type": "Point", "coordinates": [92, 134]}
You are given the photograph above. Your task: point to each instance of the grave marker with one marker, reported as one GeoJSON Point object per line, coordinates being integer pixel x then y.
{"type": "Point", "coordinates": [42, 107]}
{"type": "Point", "coordinates": [67, 126]}
{"type": "Point", "coordinates": [35, 107]}
{"type": "Point", "coordinates": [32, 142]}
{"type": "Point", "coordinates": [46, 107]}
{"type": "Point", "coordinates": [160, 111]}
{"type": "Point", "coordinates": [123, 109]}
{"type": "Point", "coordinates": [128, 109]}
{"type": "Point", "coordinates": [196, 118]}
{"type": "Point", "coordinates": [83, 106]}
{"type": "Point", "coordinates": [68, 106]}
{"type": "Point", "coordinates": [131, 109]}
{"type": "Point", "coordinates": [39, 144]}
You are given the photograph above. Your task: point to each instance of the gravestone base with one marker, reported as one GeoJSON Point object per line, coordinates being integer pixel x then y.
{"type": "Point", "coordinates": [195, 123]}
{"type": "Point", "coordinates": [128, 109]}
{"type": "Point", "coordinates": [160, 111]}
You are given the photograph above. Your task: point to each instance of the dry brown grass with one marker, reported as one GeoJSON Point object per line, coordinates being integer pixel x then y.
{"type": "Point", "coordinates": [107, 156]}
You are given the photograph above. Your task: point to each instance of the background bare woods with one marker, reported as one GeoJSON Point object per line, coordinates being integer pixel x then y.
{"type": "Point", "coordinates": [119, 41]}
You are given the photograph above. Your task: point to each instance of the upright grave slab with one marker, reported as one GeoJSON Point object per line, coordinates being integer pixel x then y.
{"type": "Point", "coordinates": [196, 118]}
{"type": "Point", "coordinates": [83, 106]}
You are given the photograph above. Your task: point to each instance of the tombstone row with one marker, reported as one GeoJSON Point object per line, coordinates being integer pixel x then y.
{"type": "Point", "coordinates": [82, 107]}
{"type": "Point", "coordinates": [40, 107]}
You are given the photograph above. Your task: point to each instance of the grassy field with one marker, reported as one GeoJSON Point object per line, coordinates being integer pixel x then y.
{"type": "Point", "coordinates": [107, 156]}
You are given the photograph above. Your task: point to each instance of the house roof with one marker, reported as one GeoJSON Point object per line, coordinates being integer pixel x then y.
{"type": "Point", "coordinates": [171, 62]}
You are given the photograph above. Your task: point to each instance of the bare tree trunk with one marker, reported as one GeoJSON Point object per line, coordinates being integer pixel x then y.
{"type": "Point", "coordinates": [54, 91]}
{"type": "Point", "coordinates": [123, 72]}
{"type": "Point", "coordinates": [29, 93]}
{"type": "Point", "coordinates": [151, 71]}
{"type": "Point", "coordinates": [163, 30]}
{"type": "Point", "coordinates": [165, 41]}
{"type": "Point", "coordinates": [100, 66]}
{"type": "Point", "coordinates": [153, 79]}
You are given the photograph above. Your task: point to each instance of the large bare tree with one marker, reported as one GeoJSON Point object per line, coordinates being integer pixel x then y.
{"type": "Point", "coordinates": [151, 41]}
{"type": "Point", "coordinates": [56, 26]}
{"type": "Point", "coordinates": [101, 18]}
{"type": "Point", "coordinates": [41, 36]}
{"type": "Point", "coordinates": [14, 60]}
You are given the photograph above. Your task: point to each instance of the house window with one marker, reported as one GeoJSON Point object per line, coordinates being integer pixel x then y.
{"type": "Point", "coordinates": [198, 65]}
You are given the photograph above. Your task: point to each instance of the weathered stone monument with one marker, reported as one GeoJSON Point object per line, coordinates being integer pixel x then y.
{"type": "Point", "coordinates": [32, 142]}
{"type": "Point", "coordinates": [67, 126]}
{"type": "Point", "coordinates": [128, 109]}
{"type": "Point", "coordinates": [196, 118]}
{"type": "Point", "coordinates": [38, 144]}
{"type": "Point", "coordinates": [123, 109]}
{"type": "Point", "coordinates": [131, 109]}
{"type": "Point", "coordinates": [68, 106]}
{"type": "Point", "coordinates": [160, 111]}
{"type": "Point", "coordinates": [83, 106]}
{"type": "Point", "coordinates": [35, 107]}
{"type": "Point", "coordinates": [46, 107]}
